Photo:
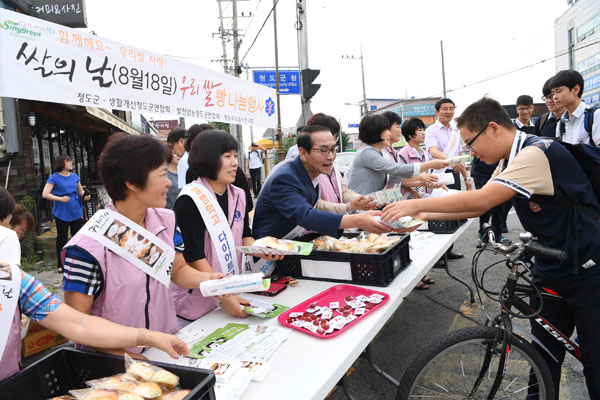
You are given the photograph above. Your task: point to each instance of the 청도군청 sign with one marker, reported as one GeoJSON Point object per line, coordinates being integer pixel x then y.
{"type": "Point", "coordinates": [289, 81]}
{"type": "Point", "coordinates": [48, 62]}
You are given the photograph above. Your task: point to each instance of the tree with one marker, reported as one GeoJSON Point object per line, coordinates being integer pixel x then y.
{"type": "Point", "coordinates": [288, 142]}
{"type": "Point", "coordinates": [345, 139]}
{"type": "Point", "coordinates": [224, 126]}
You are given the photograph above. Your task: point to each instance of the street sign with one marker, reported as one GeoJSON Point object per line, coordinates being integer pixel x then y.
{"type": "Point", "coordinates": [289, 81]}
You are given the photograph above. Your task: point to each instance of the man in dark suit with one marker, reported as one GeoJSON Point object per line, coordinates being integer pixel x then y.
{"type": "Point", "coordinates": [285, 206]}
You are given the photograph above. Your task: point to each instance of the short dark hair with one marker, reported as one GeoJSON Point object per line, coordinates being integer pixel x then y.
{"type": "Point", "coordinates": [129, 158]}
{"type": "Point", "coordinates": [21, 215]}
{"type": "Point", "coordinates": [482, 112]}
{"type": "Point", "coordinates": [305, 137]}
{"type": "Point", "coordinates": [524, 100]}
{"type": "Point", "coordinates": [300, 129]}
{"type": "Point", "coordinates": [438, 104]}
{"type": "Point", "coordinates": [59, 162]}
{"type": "Point", "coordinates": [7, 203]}
{"type": "Point", "coordinates": [325, 120]}
{"type": "Point", "coordinates": [371, 127]}
{"type": "Point", "coordinates": [392, 117]}
{"type": "Point", "coordinates": [410, 127]}
{"type": "Point", "coordinates": [175, 135]}
{"type": "Point", "coordinates": [207, 149]}
{"type": "Point", "coordinates": [568, 78]}
{"type": "Point", "coordinates": [546, 91]}
{"type": "Point", "coordinates": [194, 130]}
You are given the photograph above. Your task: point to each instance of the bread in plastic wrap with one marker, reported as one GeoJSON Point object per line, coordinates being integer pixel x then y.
{"type": "Point", "coordinates": [127, 383]}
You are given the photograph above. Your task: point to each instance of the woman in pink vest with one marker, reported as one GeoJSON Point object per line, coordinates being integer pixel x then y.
{"type": "Point", "coordinates": [26, 295]}
{"type": "Point", "coordinates": [208, 210]}
{"type": "Point", "coordinates": [102, 282]}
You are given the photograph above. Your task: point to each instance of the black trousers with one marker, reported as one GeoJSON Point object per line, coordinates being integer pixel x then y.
{"type": "Point", "coordinates": [496, 213]}
{"type": "Point", "coordinates": [581, 309]}
{"type": "Point", "coordinates": [255, 174]}
{"type": "Point", "coordinates": [456, 184]}
{"type": "Point", "coordinates": [62, 234]}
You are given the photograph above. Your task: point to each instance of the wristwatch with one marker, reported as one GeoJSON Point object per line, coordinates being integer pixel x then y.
{"type": "Point", "coordinates": [347, 208]}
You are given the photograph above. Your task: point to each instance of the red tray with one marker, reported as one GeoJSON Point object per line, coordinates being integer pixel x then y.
{"type": "Point", "coordinates": [335, 293]}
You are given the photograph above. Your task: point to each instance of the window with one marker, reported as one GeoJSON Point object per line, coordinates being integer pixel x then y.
{"type": "Point", "coordinates": [588, 29]}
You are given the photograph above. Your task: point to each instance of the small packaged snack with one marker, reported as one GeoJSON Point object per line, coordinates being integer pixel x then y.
{"type": "Point", "coordinates": [127, 383]}
{"type": "Point", "coordinates": [103, 394]}
{"type": "Point", "coordinates": [146, 372]}
{"type": "Point", "coordinates": [65, 397]}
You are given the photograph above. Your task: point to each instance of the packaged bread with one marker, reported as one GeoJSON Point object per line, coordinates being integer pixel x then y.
{"type": "Point", "coordinates": [127, 383]}
{"type": "Point", "coordinates": [104, 394]}
{"type": "Point", "coordinates": [176, 395]}
{"type": "Point", "coordinates": [274, 243]}
{"type": "Point", "coordinates": [146, 372]}
{"type": "Point", "coordinates": [65, 397]}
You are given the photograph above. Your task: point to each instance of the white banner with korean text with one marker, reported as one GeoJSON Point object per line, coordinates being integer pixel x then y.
{"type": "Point", "coordinates": [49, 62]}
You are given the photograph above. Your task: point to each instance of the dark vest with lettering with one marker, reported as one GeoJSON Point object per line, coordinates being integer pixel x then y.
{"type": "Point", "coordinates": [553, 222]}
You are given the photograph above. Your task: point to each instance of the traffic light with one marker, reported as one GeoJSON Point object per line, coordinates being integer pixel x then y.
{"type": "Point", "coordinates": [309, 89]}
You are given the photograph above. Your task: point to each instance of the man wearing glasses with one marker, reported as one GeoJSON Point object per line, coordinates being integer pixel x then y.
{"type": "Point", "coordinates": [285, 206]}
{"type": "Point", "coordinates": [524, 110]}
{"type": "Point", "coordinates": [536, 173]}
{"type": "Point", "coordinates": [545, 125]}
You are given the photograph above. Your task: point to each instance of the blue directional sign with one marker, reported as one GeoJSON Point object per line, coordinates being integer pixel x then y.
{"type": "Point", "coordinates": [289, 81]}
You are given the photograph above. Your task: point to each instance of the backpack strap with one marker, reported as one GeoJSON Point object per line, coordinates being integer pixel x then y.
{"type": "Point", "coordinates": [588, 122]}
{"type": "Point", "coordinates": [543, 119]}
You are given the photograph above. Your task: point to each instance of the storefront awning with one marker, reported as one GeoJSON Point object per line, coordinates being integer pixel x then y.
{"type": "Point", "coordinates": [113, 120]}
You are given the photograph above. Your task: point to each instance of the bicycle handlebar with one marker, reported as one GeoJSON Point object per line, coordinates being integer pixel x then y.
{"type": "Point", "coordinates": [527, 244]}
{"type": "Point", "coordinates": [537, 249]}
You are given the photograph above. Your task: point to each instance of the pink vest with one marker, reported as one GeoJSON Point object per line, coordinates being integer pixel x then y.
{"type": "Point", "coordinates": [128, 294]}
{"type": "Point", "coordinates": [410, 156]}
{"type": "Point", "coordinates": [330, 187]}
{"type": "Point", "coordinates": [190, 303]}
{"type": "Point", "coordinates": [10, 362]}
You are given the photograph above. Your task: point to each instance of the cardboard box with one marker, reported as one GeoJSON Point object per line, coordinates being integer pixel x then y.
{"type": "Point", "coordinates": [39, 338]}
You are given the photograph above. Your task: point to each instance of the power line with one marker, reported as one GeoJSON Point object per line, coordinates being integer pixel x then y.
{"type": "Point", "coordinates": [253, 15]}
{"type": "Point", "coordinates": [565, 52]}
{"type": "Point", "coordinates": [259, 31]}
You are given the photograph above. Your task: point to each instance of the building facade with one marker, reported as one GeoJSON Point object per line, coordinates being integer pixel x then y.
{"type": "Point", "coordinates": [577, 44]}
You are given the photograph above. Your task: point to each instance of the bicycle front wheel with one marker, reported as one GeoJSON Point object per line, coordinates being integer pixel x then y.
{"type": "Point", "coordinates": [452, 369]}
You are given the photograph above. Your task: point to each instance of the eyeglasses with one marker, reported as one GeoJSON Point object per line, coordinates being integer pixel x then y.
{"type": "Point", "coordinates": [469, 144]}
{"type": "Point", "coordinates": [325, 150]}
{"type": "Point", "coordinates": [549, 97]}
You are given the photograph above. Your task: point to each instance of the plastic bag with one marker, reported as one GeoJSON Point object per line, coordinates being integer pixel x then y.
{"type": "Point", "coordinates": [127, 383]}
{"type": "Point", "coordinates": [103, 394]}
{"type": "Point", "coordinates": [176, 395]}
{"type": "Point", "coordinates": [146, 372]}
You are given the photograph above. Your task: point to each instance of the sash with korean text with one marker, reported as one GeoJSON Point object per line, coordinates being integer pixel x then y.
{"type": "Point", "coordinates": [134, 243]}
{"type": "Point", "coordinates": [10, 288]}
{"type": "Point", "coordinates": [216, 224]}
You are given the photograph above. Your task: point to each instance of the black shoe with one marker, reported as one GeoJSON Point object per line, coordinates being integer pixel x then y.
{"type": "Point", "coordinates": [439, 264]}
{"type": "Point", "coordinates": [454, 256]}
{"type": "Point", "coordinates": [504, 229]}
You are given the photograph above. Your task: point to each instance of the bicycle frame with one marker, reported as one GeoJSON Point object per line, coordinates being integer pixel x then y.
{"type": "Point", "coordinates": [505, 331]}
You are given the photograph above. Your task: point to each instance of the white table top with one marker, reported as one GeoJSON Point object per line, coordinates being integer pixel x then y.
{"type": "Point", "coordinates": [306, 367]}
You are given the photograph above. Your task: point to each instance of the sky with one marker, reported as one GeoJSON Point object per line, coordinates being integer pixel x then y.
{"type": "Point", "coordinates": [400, 43]}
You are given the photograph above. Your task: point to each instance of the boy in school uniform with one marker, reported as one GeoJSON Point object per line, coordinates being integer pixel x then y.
{"type": "Point", "coordinates": [567, 88]}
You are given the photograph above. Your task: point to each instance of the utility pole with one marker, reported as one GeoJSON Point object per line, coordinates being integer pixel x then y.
{"type": "Point", "coordinates": [443, 70]}
{"type": "Point", "coordinates": [302, 54]}
{"type": "Point", "coordinates": [280, 152]}
{"type": "Point", "coordinates": [236, 71]}
{"type": "Point", "coordinates": [362, 68]}
{"type": "Point", "coordinates": [223, 41]}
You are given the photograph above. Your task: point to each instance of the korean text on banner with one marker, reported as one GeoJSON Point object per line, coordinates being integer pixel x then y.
{"type": "Point", "coordinates": [49, 62]}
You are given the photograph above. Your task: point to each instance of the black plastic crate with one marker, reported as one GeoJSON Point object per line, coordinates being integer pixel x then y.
{"type": "Point", "coordinates": [377, 269]}
{"type": "Point", "coordinates": [445, 226]}
{"type": "Point", "coordinates": [68, 368]}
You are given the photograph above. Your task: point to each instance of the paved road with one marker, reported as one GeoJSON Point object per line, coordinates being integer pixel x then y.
{"type": "Point", "coordinates": [423, 317]}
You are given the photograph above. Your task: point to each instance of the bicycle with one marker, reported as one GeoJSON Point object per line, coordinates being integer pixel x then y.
{"type": "Point", "coordinates": [492, 361]}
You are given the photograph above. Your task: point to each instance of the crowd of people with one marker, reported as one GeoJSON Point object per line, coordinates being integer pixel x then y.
{"type": "Point", "coordinates": [193, 197]}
